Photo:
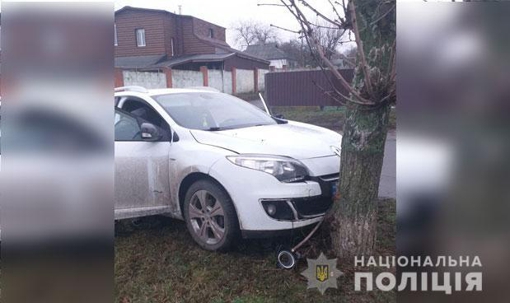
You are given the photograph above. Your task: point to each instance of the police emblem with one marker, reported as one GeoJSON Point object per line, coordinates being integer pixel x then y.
{"type": "Point", "coordinates": [322, 273]}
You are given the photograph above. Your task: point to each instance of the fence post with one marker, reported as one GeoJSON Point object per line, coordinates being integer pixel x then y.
{"type": "Point", "coordinates": [168, 74]}
{"type": "Point", "coordinates": [234, 81]}
{"type": "Point", "coordinates": [205, 75]}
{"type": "Point", "coordinates": [255, 80]}
{"type": "Point", "coordinates": [119, 78]}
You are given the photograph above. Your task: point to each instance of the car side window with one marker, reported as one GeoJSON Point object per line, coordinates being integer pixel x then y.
{"type": "Point", "coordinates": [141, 109]}
{"type": "Point", "coordinates": [126, 128]}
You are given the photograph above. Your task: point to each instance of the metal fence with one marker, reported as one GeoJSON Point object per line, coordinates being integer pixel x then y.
{"type": "Point", "coordinates": [304, 87]}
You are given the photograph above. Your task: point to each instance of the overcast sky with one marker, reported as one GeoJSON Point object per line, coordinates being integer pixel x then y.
{"type": "Point", "coordinates": [226, 12]}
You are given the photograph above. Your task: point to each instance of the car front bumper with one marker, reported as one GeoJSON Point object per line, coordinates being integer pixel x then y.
{"type": "Point", "coordinates": [250, 189]}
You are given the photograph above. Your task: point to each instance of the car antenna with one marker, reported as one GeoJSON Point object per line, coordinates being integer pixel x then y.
{"type": "Point", "coordinates": [265, 105]}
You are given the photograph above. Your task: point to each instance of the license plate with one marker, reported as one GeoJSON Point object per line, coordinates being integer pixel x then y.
{"type": "Point", "coordinates": [334, 189]}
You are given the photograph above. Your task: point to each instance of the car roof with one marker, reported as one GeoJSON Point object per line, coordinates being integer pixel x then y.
{"type": "Point", "coordinates": [165, 91]}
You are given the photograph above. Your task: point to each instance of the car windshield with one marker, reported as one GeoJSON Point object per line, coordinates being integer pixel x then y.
{"type": "Point", "coordinates": [212, 111]}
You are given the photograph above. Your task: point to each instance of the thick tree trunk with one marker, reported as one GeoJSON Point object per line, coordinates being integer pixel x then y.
{"type": "Point", "coordinates": [372, 90]}
{"type": "Point", "coordinates": [354, 216]}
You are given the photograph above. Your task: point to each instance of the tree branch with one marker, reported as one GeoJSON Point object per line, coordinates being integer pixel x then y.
{"type": "Point", "coordinates": [339, 24]}
{"type": "Point", "coordinates": [361, 52]}
{"type": "Point", "coordinates": [308, 31]}
{"type": "Point", "coordinates": [339, 94]}
{"type": "Point", "coordinates": [285, 29]}
{"type": "Point", "coordinates": [270, 4]}
{"type": "Point", "coordinates": [324, 26]}
{"type": "Point", "coordinates": [383, 15]}
{"type": "Point", "coordinates": [336, 12]}
{"type": "Point", "coordinates": [341, 78]}
{"type": "Point", "coordinates": [329, 94]}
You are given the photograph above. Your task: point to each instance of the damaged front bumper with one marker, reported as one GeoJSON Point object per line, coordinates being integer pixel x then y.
{"type": "Point", "coordinates": [267, 207]}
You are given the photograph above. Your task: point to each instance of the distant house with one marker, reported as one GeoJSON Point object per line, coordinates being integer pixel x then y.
{"type": "Point", "coordinates": [278, 58]}
{"type": "Point", "coordinates": [343, 62]}
{"type": "Point", "coordinates": [152, 38]}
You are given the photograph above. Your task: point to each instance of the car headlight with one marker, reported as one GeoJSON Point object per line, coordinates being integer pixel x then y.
{"type": "Point", "coordinates": [282, 168]}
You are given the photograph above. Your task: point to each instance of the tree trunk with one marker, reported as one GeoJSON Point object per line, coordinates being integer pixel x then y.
{"type": "Point", "coordinates": [354, 215]}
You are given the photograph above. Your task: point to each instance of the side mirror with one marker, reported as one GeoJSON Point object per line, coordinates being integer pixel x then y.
{"type": "Point", "coordinates": [279, 116]}
{"type": "Point", "coordinates": [150, 132]}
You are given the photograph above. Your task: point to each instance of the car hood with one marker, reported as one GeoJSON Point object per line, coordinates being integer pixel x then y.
{"type": "Point", "coordinates": [294, 139]}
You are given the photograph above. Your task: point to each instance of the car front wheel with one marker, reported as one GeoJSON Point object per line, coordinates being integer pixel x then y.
{"type": "Point", "coordinates": [210, 216]}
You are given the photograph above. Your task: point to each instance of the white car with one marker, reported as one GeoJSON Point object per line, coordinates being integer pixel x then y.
{"type": "Point", "coordinates": [221, 164]}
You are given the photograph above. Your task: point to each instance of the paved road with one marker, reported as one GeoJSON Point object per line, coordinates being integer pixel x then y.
{"type": "Point", "coordinates": [388, 184]}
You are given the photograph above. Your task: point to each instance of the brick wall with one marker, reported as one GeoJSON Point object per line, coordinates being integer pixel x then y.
{"type": "Point", "coordinates": [202, 29]}
{"type": "Point", "coordinates": [154, 24]}
{"type": "Point", "coordinates": [160, 27]}
{"type": "Point", "coordinates": [172, 31]}
{"type": "Point", "coordinates": [192, 44]}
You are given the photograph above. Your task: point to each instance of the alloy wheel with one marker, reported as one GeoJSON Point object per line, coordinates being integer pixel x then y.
{"type": "Point", "coordinates": [207, 217]}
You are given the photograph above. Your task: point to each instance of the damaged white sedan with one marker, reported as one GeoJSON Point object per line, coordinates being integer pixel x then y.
{"type": "Point", "coordinates": [221, 164]}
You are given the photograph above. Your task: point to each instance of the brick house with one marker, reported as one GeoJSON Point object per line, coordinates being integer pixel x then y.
{"type": "Point", "coordinates": [149, 39]}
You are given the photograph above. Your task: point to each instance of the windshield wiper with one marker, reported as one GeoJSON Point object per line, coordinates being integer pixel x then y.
{"type": "Point", "coordinates": [217, 128]}
{"type": "Point", "coordinates": [213, 129]}
{"type": "Point", "coordinates": [279, 120]}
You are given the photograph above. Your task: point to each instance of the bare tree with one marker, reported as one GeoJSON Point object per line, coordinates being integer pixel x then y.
{"type": "Point", "coordinates": [328, 37]}
{"type": "Point", "coordinates": [251, 32]}
{"type": "Point", "coordinates": [299, 51]}
{"type": "Point", "coordinates": [370, 26]}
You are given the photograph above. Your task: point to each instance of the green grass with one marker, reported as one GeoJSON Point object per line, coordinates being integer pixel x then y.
{"type": "Point", "coordinates": [332, 117]}
{"type": "Point", "coordinates": [157, 261]}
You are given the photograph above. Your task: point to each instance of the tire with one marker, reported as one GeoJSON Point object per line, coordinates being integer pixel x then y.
{"type": "Point", "coordinates": [210, 216]}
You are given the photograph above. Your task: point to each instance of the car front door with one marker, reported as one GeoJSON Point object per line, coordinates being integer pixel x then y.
{"type": "Point", "coordinates": [141, 170]}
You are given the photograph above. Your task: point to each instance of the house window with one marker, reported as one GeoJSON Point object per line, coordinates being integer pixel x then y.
{"type": "Point", "coordinates": [172, 46]}
{"type": "Point", "coordinates": [140, 37]}
{"type": "Point", "coordinates": [211, 33]}
{"type": "Point", "coordinates": [115, 42]}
